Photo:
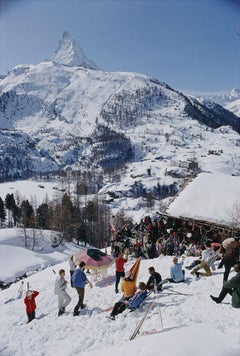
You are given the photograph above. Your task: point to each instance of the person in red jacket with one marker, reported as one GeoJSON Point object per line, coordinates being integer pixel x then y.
{"type": "Point", "coordinates": [30, 303]}
{"type": "Point", "coordinates": [120, 261]}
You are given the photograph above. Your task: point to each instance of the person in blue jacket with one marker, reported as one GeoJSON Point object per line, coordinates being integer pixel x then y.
{"type": "Point", "coordinates": [176, 271]}
{"type": "Point", "coordinates": [79, 280]}
{"type": "Point", "coordinates": [132, 303]}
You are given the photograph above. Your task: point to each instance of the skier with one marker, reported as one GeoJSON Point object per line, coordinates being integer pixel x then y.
{"type": "Point", "coordinates": [60, 290]}
{"type": "Point", "coordinates": [30, 303]}
{"type": "Point", "coordinates": [79, 279]}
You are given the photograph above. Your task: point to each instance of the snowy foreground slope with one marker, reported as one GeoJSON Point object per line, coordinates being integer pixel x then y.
{"type": "Point", "coordinates": [192, 325]}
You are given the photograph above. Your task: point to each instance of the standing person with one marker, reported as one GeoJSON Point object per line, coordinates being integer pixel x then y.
{"type": "Point", "coordinates": [176, 271]}
{"type": "Point", "coordinates": [79, 281]}
{"type": "Point", "coordinates": [207, 261]}
{"type": "Point", "coordinates": [231, 287]}
{"type": "Point", "coordinates": [60, 290]}
{"type": "Point", "coordinates": [120, 261]}
{"type": "Point", "coordinates": [30, 303]}
{"type": "Point", "coordinates": [231, 256]}
{"type": "Point", "coordinates": [72, 267]}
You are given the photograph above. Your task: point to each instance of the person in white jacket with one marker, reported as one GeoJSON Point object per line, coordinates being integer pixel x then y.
{"type": "Point", "coordinates": [60, 290]}
{"type": "Point", "coordinates": [207, 261]}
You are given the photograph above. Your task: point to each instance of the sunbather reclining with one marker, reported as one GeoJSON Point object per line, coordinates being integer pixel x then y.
{"type": "Point", "coordinates": [133, 303]}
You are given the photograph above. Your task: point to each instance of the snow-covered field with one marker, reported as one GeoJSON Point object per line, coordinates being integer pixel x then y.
{"type": "Point", "coordinates": [36, 192]}
{"type": "Point", "coordinates": [16, 260]}
{"type": "Point", "coordinates": [192, 324]}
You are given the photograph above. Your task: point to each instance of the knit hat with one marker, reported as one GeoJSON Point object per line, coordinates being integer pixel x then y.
{"type": "Point", "coordinates": [29, 293]}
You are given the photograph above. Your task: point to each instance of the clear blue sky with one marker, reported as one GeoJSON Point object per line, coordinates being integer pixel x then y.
{"type": "Point", "coordinates": [189, 44]}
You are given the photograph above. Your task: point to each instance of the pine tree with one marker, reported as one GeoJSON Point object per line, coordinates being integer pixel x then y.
{"type": "Point", "coordinates": [2, 212]}
{"type": "Point", "coordinates": [43, 216]}
{"type": "Point", "coordinates": [11, 207]}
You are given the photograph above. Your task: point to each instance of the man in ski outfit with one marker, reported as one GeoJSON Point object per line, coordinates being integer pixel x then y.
{"type": "Point", "coordinates": [60, 290]}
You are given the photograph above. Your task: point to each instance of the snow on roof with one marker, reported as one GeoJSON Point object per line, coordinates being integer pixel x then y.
{"type": "Point", "coordinates": [210, 197]}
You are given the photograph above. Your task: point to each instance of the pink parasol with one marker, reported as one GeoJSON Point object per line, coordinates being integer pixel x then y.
{"type": "Point", "coordinates": [93, 258]}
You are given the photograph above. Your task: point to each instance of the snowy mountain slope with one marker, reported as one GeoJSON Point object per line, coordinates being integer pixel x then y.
{"type": "Point", "coordinates": [54, 115]}
{"type": "Point", "coordinates": [229, 100]}
{"type": "Point", "coordinates": [192, 324]}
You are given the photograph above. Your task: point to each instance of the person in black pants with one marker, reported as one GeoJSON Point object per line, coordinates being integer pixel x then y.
{"type": "Point", "coordinates": [231, 256]}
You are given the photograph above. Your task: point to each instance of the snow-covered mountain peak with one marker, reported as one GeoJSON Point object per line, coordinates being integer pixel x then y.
{"type": "Point", "coordinates": [71, 54]}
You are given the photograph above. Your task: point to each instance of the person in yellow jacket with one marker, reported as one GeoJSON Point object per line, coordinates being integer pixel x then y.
{"type": "Point", "coordinates": [128, 287]}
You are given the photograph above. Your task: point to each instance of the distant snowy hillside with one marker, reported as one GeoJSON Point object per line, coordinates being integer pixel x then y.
{"type": "Point", "coordinates": [230, 100]}
{"type": "Point", "coordinates": [60, 113]}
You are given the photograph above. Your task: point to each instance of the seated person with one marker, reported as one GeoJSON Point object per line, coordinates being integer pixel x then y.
{"type": "Point", "coordinates": [207, 261]}
{"type": "Point", "coordinates": [128, 287]}
{"type": "Point", "coordinates": [154, 280]}
{"type": "Point", "coordinates": [131, 303]}
{"type": "Point", "coordinates": [176, 271]}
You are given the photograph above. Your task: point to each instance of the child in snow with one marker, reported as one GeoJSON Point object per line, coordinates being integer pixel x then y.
{"type": "Point", "coordinates": [30, 303]}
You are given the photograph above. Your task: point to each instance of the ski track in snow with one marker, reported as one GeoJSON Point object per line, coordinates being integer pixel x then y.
{"type": "Point", "coordinates": [187, 320]}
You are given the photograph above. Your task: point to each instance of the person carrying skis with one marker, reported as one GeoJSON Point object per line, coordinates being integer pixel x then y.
{"type": "Point", "coordinates": [79, 279]}
{"type": "Point", "coordinates": [30, 303]}
{"type": "Point", "coordinates": [60, 290]}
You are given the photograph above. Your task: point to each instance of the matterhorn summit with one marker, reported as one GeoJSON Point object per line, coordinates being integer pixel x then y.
{"type": "Point", "coordinates": [71, 54]}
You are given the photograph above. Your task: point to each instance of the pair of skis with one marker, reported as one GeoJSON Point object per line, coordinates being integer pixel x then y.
{"type": "Point", "coordinates": [139, 325]}
{"type": "Point", "coordinates": [137, 330]}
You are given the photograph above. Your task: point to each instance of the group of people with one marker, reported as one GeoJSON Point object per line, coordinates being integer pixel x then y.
{"type": "Point", "coordinates": [130, 297]}
{"type": "Point", "coordinates": [78, 281]}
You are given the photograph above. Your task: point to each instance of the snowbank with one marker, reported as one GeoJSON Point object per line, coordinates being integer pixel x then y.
{"type": "Point", "coordinates": [16, 260]}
